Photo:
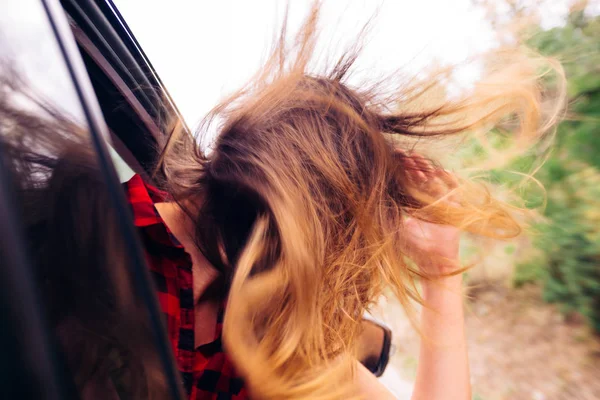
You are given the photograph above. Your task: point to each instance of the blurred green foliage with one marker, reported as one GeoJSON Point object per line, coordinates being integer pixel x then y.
{"type": "Point", "coordinates": [568, 263]}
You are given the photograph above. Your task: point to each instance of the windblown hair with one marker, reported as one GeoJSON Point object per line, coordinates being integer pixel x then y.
{"type": "Point", "coordinates": [300, 203]}
{"type": "Point", "coordinates": [303, 197]}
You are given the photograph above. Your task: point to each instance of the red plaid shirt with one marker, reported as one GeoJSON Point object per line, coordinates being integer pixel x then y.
{"type": "Point", "coordinates": [206, 371]}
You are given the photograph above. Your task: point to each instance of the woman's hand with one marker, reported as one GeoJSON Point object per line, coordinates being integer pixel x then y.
{"type": "Point", "coordinates": [433, 247]}
{"type": "Point", "coordinates": [443, 370]}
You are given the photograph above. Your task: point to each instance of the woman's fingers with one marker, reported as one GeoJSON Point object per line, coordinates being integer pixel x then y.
{"type": "Point", "coordinates": [421, 171]}
{"type": "Point", "coordinates": [419, 174]}
{"type": "Point", "coordinates": [424, 171]}
{"type": "Point", "coordinates": [422, 163]}
{"type": "Point", "coordinates": [413, 170]}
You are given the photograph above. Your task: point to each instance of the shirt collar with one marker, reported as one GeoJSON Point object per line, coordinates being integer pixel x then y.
{"type": "Point", "coordinates": [142, 197]}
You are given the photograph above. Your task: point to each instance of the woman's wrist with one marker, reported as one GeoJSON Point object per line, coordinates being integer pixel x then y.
{"type": "Point", "coordinates": [444, 293]}
{"type": "Point", "coordinates": [444, 297]}
{"type": "Point", "coordinates": [445, 273]}
{"type": "Point", "coordinates": [448, 281]}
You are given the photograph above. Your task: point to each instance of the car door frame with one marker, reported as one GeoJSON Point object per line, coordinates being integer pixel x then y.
{"type": "Point", "coordinates": [22, 308]}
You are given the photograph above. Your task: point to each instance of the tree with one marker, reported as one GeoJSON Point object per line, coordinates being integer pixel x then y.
{"type": "Point", "coordinates": [569, 264]}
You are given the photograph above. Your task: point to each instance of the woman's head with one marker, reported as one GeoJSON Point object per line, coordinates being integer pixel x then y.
{"type": "Point", "coordinates": [312, 145]}
{"type": "Point", "coordinates": [303, 199]}
{"type": "Point", "coordinates": [305, 170]}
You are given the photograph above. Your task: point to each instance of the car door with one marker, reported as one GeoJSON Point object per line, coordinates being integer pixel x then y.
{"type": "Point", "coordinates": [44, 76]}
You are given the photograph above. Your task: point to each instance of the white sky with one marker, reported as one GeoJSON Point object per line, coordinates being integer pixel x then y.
{"type": "Point", "coordinates": [205, 49]}
{"type": "Point", "coordinates": [28, 45]}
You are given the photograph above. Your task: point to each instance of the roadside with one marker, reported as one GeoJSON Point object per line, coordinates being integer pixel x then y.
{"type": "Point", "coordinates": [519, 348]}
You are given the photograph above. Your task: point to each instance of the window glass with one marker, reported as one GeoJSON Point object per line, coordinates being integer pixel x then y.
{"type": "Point", "coordinates": [80, 265]}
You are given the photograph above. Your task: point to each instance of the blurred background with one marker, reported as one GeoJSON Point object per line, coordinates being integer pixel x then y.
{"type": "Point", "coordinates": [534, 303]}
{"type": "Point", "coordinates": [533, 307]}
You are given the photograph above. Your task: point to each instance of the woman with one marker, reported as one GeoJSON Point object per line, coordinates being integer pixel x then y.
{"type": "Point", "coordinates": [309, 205]}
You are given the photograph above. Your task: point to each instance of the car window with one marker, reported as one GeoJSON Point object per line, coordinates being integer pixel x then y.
{"type": "Point", "coordinates": [27, 47]}
{"type": "Point", "coordinates": [90, 312]}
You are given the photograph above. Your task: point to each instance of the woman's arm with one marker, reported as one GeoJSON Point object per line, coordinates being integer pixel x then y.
{"type": "Point", "coordinates": [443, 370]}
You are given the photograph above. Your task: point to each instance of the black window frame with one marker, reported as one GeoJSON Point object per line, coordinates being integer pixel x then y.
{"type": "Point", "coordinates": [35, 366]}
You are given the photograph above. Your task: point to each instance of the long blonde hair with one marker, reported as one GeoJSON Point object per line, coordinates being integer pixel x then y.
{"type": "Point", "coordinates": [303, 197]}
